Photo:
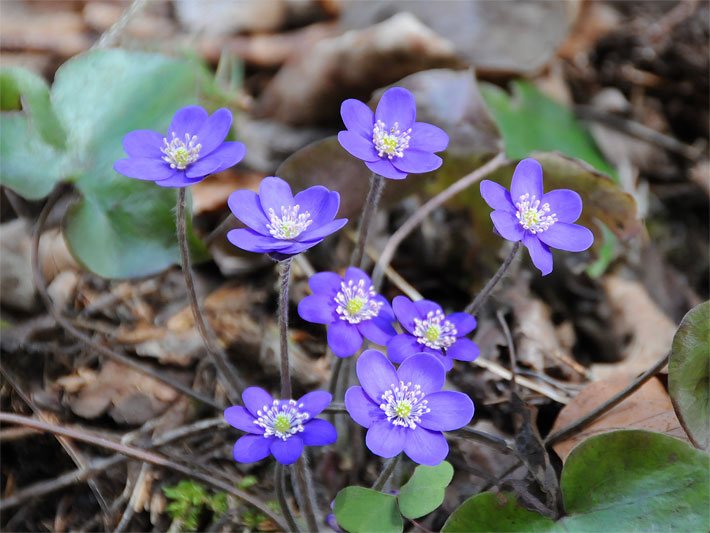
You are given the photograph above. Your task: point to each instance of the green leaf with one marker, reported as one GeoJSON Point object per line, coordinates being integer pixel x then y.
{"type": "Point", "coordinates": [425, 490]}
{"type": "Point", "coordinates": [530, 121]}
{"type": "Point", "coordinates": [617, 481]}
{"type": "Point", "coordinates": [28, 165]}
{"type": "Point", "coordinates": [121, 227]}
{"type": "Point", "coordinates": [495, 512]}
{"type": "Point", "coordinates": [361, 510]}
{"type": "Point", "coordinates": [689, 374]}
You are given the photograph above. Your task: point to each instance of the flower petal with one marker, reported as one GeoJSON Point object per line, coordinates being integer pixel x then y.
{"type": "Point", "coordinates": [463, 322]}
{"type": "Point", "coordinates": [319, 432]}
{"type": "Point", "coordinates": [385, 439]}
{"type": "Point", "coordinates": [376, 373]}
{"type": "Point", "coordinates": [426, 447]}
{"type": "Point", "coordinates": [251, 241]}
{"type": "Point", "coordinates": [444, 358]}
{"type": "Point", "coordinates": [320, 233]}
{"type": "Point", "coordinates": [355, 274]}
{"type": "Point", "coordinates": [274, 193]}
{"type": "Point", "coordinates": [314, 402]}
{"type": "Point", "coordinates": [224, 157]}
{"type": "Point", "coordinates": [527, 179]}
{"type": "Point", "coordinates": [405, 311]}
{"type": "Point", "coordinates": [417, 161]}
{"type": "Point", "coordinates": [357, 117]}
{"type": "Point", "coordinates": [255, 398]}
{"type": "Point", "coordinates": [251, 448]}
{"type": "Point", "coordinates": [448, 410]}
{"type": "Point", "coordinates": [397, 105]}
{"type": "Point", "coordinates": [361, 408]}
{"type": "Point", "coordinates": [239, 417]}
{"type": "Point", "coordinates": [385, 168]}
{"type": "Point", "coordinates": [424, 370]}
{"type": "Point", "coordinates": [386, 312]}
{"type": "Point", "coordinates": [427, 306]}
{"type": "Point", "coordinates": [566, 204]}
{"type": "Point", "coordinates": [214, 130]}
{"type": "Point", "coordinates": [428, 138]}
{"type": "Point", "coordinates": [187, 120]}
{"type": "Point", "coordinates": [318, 309]}
{"type": "Point", "coordinates": [287, 451]}
{"type": "Point", "coordinates": [507, 225]}
{"type": "Point", "coordinates": [344, 338]}
{"type": "Point", "coordinates": [463, 350]}
{"type": "Point", "coordinates": [321, 203]}
{"type": "Point", "coordinates": [177, 180]}
{"type": "Point", "coordinates": [497, 196]}
{"type": "Point", "coordinates": [402, 346]}
{"type": "Point", "coordinates": [246, 207]}
{"type": "Point", "coordinates": [327, 283]}
{"type": "Point", "coordinates": [294, 248]}
{"type": "Point", "coordinates": [539, 253]}
{"type": "Point", "coordinates": [144, 168]}
{"type": "Point", "coordinates": [569, 237]}
{"type": "Point", "coordinates": [143, 143]}
{"type": "Point", "coordinates": [377, 330]}
{"type": "Point", "coordinates": [358, 146]}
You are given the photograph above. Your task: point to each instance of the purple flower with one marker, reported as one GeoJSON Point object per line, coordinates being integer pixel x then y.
{"type": "Point", "coordinates": [405, 409]}
{"type": "Point", "coordinates": [541, 221]}
{"type": "Point", "coordinates": [193, 148]}
{"type": "Point", "coordinates": [429, 330]}
{"type": "Point", "coordinates": [350, 307]}
{"type": "Point", "coordinates": [389, 141]}
{"type": "Point", "coordinates": [279, 427]}
{"type": "Point", "coordinates": [282, 224]}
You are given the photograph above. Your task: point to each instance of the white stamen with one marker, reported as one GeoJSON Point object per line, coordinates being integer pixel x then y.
{"type": "Point", "coordinates": [390, 143]}
{"type": "Point", "coordinates": [356, 303]}
{"type": "Point", "coordinates": [290, 224]}
{"type": "Point", "coordinates": [404, 404]}
{"type": "Point", "coordinates": [434, 331]}
{"type": "Point", "coordinates": [532, 216]}
{"type": "Point", "coordinates": [283, 419]}
{"type": "Point", "coordinates": [180, 153]}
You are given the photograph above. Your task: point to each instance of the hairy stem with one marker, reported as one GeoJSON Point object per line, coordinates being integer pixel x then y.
{"type": "Point", "coordinates": [230, 380]}
{"type": "Point", "coordinates": [307, 501]}
{"type": "Point", "coordinates": [482, 296]}
{"type": "Point", "coordinates": [386, 473]}
{"type": "Point", "coordinates": [280, 486]}
{"type": "Point", "coordinates": [285, 276]}
{"type": "Point", "coordinates": [377, 184]}
{"type": "Point", "coordinates": [420, 214]}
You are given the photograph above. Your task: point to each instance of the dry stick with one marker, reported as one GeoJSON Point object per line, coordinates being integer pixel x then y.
{"type": "Point", "coordinates": [230, 380]}
{"type": "Point", "coordinates": [481, 297]}
{"type": "Point", "coordinates": [377, 184]}
{"type": "Point", "coordinates": [386, 473]}
{"type": "Point", "coordinates": [280, 487]}
{"type": "Point", "coordinates": [41, 287]}
{"type": "Point", "coordinates": [420, 214]}
{"type": "Point", "coordinates": [612, 402]}
{"type": "Point", "coordinates": [146, 456]}
{"type": "Point", "coordinates": [284, 277]}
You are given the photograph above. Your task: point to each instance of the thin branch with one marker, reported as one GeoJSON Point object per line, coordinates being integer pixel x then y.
{"type": "Point", "coordinates": [231, 381]}
{"type": "Point", "coordinates": [145, 456]}
{"type": "Point", "coordinates": [497, 443]}
{"type": "Point", "coordinates": [377, 185]}
{"type": "Point", "coordinates": [41, 286]}
{"type": "Point", "coordinates": [481, 297]}
{"type": "Point", "coordinates": [612, 402]}
{"type": "Point", "coordinates": [420, 214]}
{"type": "Point", "coordinates": [284, 277]}
{"type": "Point", "coordinates": [280, 487]}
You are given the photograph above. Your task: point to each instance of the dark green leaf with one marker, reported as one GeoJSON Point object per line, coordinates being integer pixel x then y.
{"type": "Point", "coordinates": [425, 490]}
{"type": "Point", "coordinates": [689, 374]}
{"type": "Point", "coordinates": [361, 510]}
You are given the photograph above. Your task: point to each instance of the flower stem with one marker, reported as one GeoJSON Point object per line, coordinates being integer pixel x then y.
{"type": "Point", "coordinates": [377, 184]}
{"type": "Point", "coordinates": [307, 500]}
{"type": "Point", "coordinates": [285, 276]}
{"type": "Point", "coordinates": [232, 383]}
{"type": "Point", "coordinates": [386, 473]}
{"type": "Point", "coordinates": [482, 296]}
{"type": "Point", "coordinates": [280, 487]}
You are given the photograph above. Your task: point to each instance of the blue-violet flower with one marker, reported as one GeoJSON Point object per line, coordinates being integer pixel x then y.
{"type": "Point", "coordinates": [193, 148]}
{"type": "Point", "coordinates": [540, 221]}
{"type": "Point", "coordinates": [405, 409]}
{"type": "Point", "coordinates": [279, 427]}
{"type": "Point", "coordinates": [351, 309]}
{"type": "Point", "coordinates": [282, 224]}
{"type": "Point", "coordinates": [429, 330]}
{"type": "Point", "coordinates": [389, 140]}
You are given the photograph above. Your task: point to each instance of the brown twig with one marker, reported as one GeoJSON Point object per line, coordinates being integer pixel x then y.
{"type": "Point", "coordinates": [612, 402]}
{"type": "Point", "coordinates": [481, 297]}
{"type": "Point", "coordinates": [377, 185]}
{"type": "Point", "coordinates": [280, 488]}
{"type": "Point", "coordinates": [284, 277]}
{"type": "Point", "coordinates": [145, 456]}
{"type": "Point", "coordinates": [300, 473]}
{"type": "Point", "coordinates": [231, 381]}
{"type": "Point", "coordinates": [41, 286]}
